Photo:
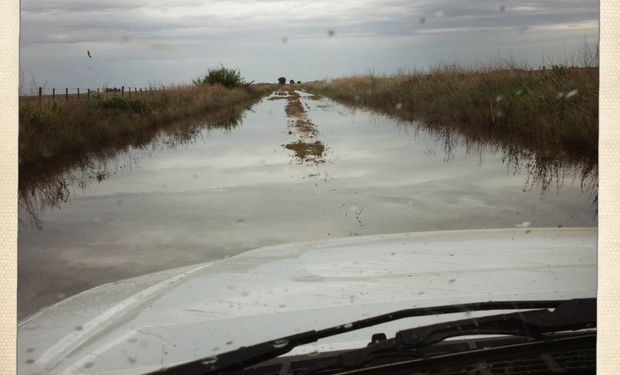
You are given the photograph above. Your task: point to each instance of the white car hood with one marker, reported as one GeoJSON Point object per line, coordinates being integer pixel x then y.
{"type": "Point", "coordinates": [158, 320]}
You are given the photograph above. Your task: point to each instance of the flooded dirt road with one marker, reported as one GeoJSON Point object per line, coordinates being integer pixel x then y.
{"type": "Point", "coordinates": [282, 173]}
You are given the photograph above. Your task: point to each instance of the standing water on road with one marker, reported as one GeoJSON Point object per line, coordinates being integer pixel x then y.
{"type": "Point", "coordinates": [291, 169]}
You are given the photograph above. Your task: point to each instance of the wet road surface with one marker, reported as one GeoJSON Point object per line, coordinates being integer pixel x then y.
{"type": "Point", "coordinates": [271, 179]}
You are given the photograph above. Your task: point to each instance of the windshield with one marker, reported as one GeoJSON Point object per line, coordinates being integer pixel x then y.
{"type": "Point", "coordinates": [228, 173]}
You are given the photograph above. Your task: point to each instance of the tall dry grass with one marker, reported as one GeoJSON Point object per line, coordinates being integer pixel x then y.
{"type": "Point", "coordinates": [553, 112]}
{"type": "Point", "coordinates": [55, 131]}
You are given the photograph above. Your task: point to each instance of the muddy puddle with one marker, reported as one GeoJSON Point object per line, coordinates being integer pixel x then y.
{"type": "Point", "coordinates": [292, 168]}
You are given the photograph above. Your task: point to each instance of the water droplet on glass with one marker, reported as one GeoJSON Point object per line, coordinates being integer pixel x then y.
{"type": "Point", "coordinates": [422, 20]}
{"type": "Point", "coordinates": [524, 224]}
{"type": "Point", "coordinates": [560, 95]}
{"type": "Point", "coordinates": [331, 32]}
{"type": "Point", "coordinates": [284, 40]}
{"type": "Point", "coordinates": [499, 98]}
{"type": "Point", "coordinates": [209, 361]}
{"type": "Point", "coordinates": [572, 93]}
{"type": "Point", "coordinates": [348, 325]}
{"type": "Point", "coordinates": [280, 343]}
{"type": "Point", "coordinates": [399, 106]}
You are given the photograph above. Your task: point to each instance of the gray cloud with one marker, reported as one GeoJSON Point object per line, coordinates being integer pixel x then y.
{"type": "Point", "coordinates": [248, 34]}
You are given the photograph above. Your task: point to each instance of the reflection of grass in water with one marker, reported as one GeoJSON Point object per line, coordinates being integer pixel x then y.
{"type": "Point", "coordinates": [46, 184]}
{"type": "Point", "coordinates": [543, 121]}
{"type": "Point", "coordinates": [543, 171]}
{"type": "Point", "coordinates": [308, 152]}
{"type": "Point", "coordinates": [552, 112]}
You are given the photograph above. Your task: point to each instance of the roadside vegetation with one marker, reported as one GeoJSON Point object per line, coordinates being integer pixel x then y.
{"type": "Point", "coordinates": [553, 112]}
{"type": "Point", "coordinates": [221, 76]}
{"type": "Point", "coordinates": [68, 129]}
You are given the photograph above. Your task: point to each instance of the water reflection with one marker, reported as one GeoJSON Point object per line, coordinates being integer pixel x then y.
{"type": "Point", "coordinates": [542, 170]}
{"type": "Point", "coordinates": [47, 185]}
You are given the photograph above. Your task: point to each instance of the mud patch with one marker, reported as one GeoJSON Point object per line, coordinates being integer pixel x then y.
{"type": "Point", "coordinates": [294, 108]}
{"type": "Point", "coordinates": [304, 127]}
{"type": "Point", "coordinates": [308, 152]}
{"type": "Point", "coordinates": [306, 149]}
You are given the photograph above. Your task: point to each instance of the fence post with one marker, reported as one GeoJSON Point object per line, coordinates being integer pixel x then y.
{"type": "Point", "coordinates": [122, 90]}
{"type": "Point", "coordinates": [66, 94]}
{"type": "Point", "coordinates": [53, 95]}
{"type": "Point", "coordinates": [78, 93]}
{"type": "Point", "coordinates": [40, 94]}
{"type": "Point", "coordinates": [88, 93]}
{"type": "Point", "coordinates": [129, 90]}
{"type": "Point", "coordinates": [98, 92]}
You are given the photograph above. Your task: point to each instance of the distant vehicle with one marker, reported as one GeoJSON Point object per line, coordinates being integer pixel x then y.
{"type": "Point", "coordinates": [426, 302]}
{"type": "Point", "coordinates": [282, 80]}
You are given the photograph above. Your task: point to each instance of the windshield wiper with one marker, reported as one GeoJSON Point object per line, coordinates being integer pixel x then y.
{"type": "Point", "coordinates": [567, 315]}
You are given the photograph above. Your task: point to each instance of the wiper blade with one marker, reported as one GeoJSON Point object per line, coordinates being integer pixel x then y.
{"type": "Point", "coordinates": [540, 325]}
{"type": "Point", "coordinates": [254, 354]}
{"type": "Point", "coordinates": [569, 316]}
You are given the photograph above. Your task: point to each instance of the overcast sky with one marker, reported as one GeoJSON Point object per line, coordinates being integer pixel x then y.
{"type": "Point", "coordinates": [137, 42]}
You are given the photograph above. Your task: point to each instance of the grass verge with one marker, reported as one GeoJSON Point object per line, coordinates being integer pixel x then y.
{"type": "Point", "coordinates": [64, 130]}
{"type": "Point", "coordinates": [552, 112]}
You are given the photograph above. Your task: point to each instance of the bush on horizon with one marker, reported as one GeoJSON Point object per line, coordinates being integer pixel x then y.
{"type": "Point", "coordinates": [222, 76]}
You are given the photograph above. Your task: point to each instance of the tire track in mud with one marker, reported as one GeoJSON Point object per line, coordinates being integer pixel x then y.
{"type": "Point", "coordinates": [307, 149]}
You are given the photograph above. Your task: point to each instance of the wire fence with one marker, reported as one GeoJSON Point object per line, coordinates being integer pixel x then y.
{"type": "Point", "coordinates": [68, 93]}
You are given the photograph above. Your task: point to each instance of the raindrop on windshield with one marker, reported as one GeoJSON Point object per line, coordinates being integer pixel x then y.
{"type": "Point", "coordinates": [209, 361]}
{"type": "Point", "coordinates": [280, 343]}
